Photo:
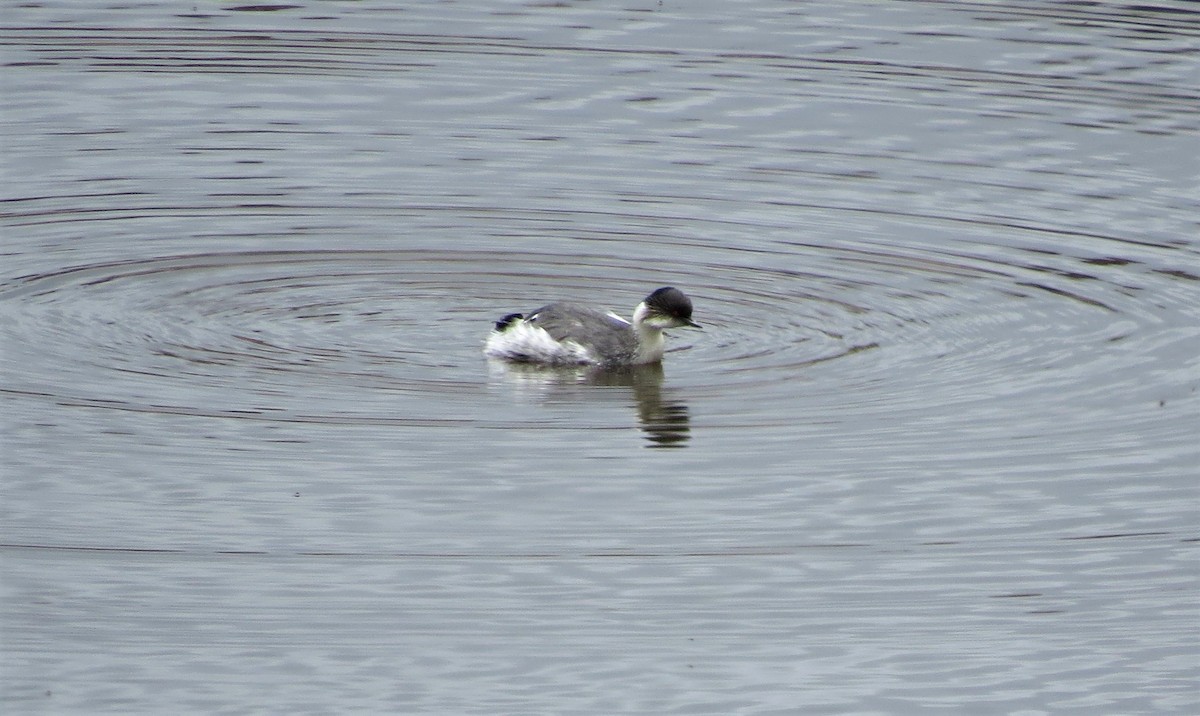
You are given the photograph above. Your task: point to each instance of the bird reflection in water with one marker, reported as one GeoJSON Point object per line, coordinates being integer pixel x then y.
{"type": "Point", "coordinates": [664, 420]}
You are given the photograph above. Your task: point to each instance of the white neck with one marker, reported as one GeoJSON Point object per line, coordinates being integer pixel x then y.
{"type": "Point", "coordinates": [650, 339]}
{"type": "Point", "coordinates": [640, 313]}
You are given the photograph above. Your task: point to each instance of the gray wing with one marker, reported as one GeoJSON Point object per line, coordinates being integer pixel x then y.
{"type": "Point", "coordinates": [602, 332]}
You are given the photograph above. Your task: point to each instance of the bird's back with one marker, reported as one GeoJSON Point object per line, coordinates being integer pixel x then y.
{"type": "Point", "coordinates": [605, 335]}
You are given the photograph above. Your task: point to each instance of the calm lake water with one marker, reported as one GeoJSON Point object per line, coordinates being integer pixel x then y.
{"type": "Point", "coordinates": [935, 451]}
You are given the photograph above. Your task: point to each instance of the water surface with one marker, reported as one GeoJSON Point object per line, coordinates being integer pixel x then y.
{"type": "Point", "coordinates": [935, 450]}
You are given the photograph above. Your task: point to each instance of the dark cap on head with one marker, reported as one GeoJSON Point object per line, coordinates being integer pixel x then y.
{"type": "Point", "coordinates": [670, 301]}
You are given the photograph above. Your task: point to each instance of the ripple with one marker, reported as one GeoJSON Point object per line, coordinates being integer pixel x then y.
{"type": "Point", "coordinates": [935, 323]}
{"type": "Point", "coordinates": [944, 252]}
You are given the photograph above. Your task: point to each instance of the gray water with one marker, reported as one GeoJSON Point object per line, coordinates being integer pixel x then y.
{"type": "Point", "coordinates": [935, 450]}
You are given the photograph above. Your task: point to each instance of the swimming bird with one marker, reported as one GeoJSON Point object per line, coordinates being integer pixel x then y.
{"type": "Point", "coordinates": [565, 333]}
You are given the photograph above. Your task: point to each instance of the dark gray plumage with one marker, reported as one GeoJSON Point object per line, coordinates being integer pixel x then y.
{"type": "Point", "coordinates": [572, 333]}
{"type": "Point", "coordinates": [601, 333]}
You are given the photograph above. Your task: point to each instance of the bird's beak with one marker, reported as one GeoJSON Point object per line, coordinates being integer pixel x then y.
{"type": "Point", "coordinates": [693, 324]}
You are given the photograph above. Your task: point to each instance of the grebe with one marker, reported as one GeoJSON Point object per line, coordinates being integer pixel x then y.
{"type": "Point", "coordinates": [573, 334]}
